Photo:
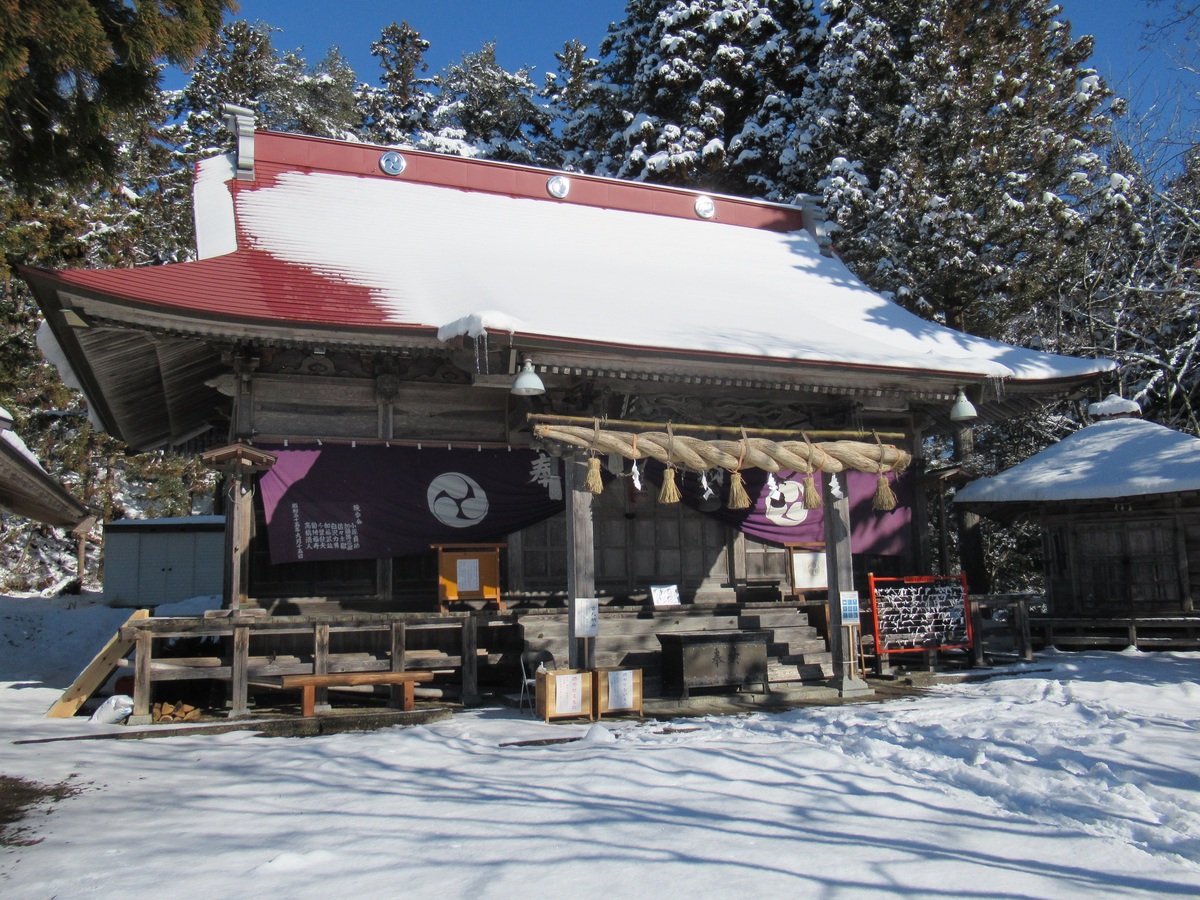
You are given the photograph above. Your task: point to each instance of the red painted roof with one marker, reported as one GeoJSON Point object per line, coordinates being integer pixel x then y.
{"type": "Point", "coordinates": [248, 285]}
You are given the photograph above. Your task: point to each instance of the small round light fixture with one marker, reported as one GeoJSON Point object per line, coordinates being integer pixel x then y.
{"type": "Point", "coordinates": [527, 383]}
{"type": "Point", "coordinates": [392, 163]}
{"type": "Point", "coordinates": [705, 207]}
{"type": "Point", "coordinates": [558, 186]}
{"type": "Point", "coordinates": [963, 410]}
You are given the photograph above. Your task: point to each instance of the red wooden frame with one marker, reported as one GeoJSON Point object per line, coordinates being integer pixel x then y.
{"type": "Point", "coordinates": [872, 581]}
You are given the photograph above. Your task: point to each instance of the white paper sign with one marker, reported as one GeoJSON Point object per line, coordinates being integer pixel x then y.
{"type": "Point", "coordinates": [468, 575]}
{"type": "Point", "coordinates": [587, 617]}
{"type": "Point", "coordinates": [568, 694]}
{"type": "Point", "coordinates": [808, 569]}
{"type": "Point", "coordinates": [665, 594]}
{"type": "Point", "coordinates": [620, 689]}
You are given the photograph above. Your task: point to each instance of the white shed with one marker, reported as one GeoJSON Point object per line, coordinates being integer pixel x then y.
{"type": "Point", "coordinates": [149, 562]}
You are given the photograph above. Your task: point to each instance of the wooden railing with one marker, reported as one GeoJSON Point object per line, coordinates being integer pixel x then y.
{"type": "Point", "coordinates": [241, 668]}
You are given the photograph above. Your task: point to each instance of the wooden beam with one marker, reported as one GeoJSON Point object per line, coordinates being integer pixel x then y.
{"type": "Point", "coordinates": [734, 430]}
{"type": "Point", "coordinates": [95, 673]}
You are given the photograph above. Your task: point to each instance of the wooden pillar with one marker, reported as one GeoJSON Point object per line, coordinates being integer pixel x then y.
{"type": "Point", "coordinates": [398, 646]}
{"type": "Point", "coordinates": [239, 519]}
{"type": "Point", "coordinates": [321, 665]}
{"type": "Point", "coordinates": [239, 463]}
{"type": "Point", "coordinates": [970, 535]}
{"type": "Point", "coordinates": [581, 557]}
{"type": "Point", "coordinates": [839, 566]}
{"type": "Point", "coordinates": [470, 660]}
{"type": "Point", "coordinates": [141, 678]}
{"type": "Point", "coordinates": [239, 680]}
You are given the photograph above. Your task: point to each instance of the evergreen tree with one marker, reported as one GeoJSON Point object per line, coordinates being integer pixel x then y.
{"type": "Point", "coordinates": [483, 110]}
{"type": "Point", "coordinates": [69, 67]}
{"type": "Point", "coordinates": [398, 110]}
{"type": "Point", "coordinates": [959, 165]}
{"type": "Point", "coordinates": [696, 92]}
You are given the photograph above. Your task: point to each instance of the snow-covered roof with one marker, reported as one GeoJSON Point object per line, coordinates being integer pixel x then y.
{"type": "Point", "coordinates": [1111, 459]}
{"type": "Point", "coordinates": [28, 490]}
{"type": "Point", "coordinates": [453, 247]}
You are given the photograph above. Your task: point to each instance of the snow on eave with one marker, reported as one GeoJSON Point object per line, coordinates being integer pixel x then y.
{"type": "Point", "coordinates": [1110, 459]}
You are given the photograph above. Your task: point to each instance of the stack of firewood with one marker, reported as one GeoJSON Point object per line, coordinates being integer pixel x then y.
{"type": "Point", "coordinates": [175, 712]}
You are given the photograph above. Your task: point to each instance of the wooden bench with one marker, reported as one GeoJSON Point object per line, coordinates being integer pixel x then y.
{"type": "Point", "coordinates": [403, 686]}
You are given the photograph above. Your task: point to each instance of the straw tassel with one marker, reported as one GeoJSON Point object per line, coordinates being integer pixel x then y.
{"type": "Point", "coordinates": [670, 490]}
{"type": "Point", "coordinates": [738, 498]}
{"type": "Point", "coordinates": [669, 493]}
{"type": "Point", "coordinates": [593, 483]}
{"type": "Point", "coordinates": [885, 498]}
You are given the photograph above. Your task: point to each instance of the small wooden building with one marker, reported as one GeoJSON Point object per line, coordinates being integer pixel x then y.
{"type": "Point", "coordinates": [358, 315]}
{"type": "Point", "coordinates": [1119, 506]}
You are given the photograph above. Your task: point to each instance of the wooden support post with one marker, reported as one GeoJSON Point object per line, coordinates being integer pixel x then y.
{"type": "Point", "coordinates": [321, 664]}
{"type": "Point", "coordinates": [398, 644]}
{"type": "Point", "coordinates": [976, 614]}
{"type": "Point", "coordinates": [581, 556]}
{"type": "Point", "coordinates": [239, 680]}
{"type": "Point", "coordinates": [141, 679]}
{"type": "Point", "coordinates": [470, 661]}
{"type": "Point", "coordinates": [839, 567]}
{"type": "Point", "coordinates": [1024, 638]}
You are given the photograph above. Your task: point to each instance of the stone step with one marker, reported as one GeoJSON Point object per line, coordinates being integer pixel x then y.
{"type": "Point", "coordinates": [796, 648]}
{"type": "Point", "coordinates": [785, 672]}
{"type": "Point", "coordinates": [782, 618]}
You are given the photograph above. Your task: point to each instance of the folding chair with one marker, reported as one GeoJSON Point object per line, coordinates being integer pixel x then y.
{"type": "Point", "coordinates": [531, 661]}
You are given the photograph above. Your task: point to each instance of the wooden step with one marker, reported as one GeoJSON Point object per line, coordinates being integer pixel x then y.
{"type": "Point", "coordinates": [785, 672]}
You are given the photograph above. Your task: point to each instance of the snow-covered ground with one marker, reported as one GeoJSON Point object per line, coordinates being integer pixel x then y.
{"type": "Point", "coordinates": [1075, 777]}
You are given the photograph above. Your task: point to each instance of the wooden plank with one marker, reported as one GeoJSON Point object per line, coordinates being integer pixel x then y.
{"type": "Point", "coordinates": [350, 679]}
{"type": "Point", "coordinates": [95, 673]}
{"type": "Point", "coordinates": [141, 680]}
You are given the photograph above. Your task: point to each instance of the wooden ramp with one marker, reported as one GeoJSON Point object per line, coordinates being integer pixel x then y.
{"type": "Point", "coordinates": [96, 673]}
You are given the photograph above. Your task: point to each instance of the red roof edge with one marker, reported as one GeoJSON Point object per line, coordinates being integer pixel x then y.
{"type": "Point", "coordinates": [276, 152]}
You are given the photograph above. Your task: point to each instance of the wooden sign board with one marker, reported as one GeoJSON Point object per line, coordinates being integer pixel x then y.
{"type": "Point", "coordinates": [618, 690]}
{"type": "Point", "coordinates": [468, 572]}
{"type": "Point", "coordinates": [564, 694]}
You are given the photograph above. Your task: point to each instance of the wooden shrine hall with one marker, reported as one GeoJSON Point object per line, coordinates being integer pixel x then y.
{"type": "Point", "coordinates": [602, 386]}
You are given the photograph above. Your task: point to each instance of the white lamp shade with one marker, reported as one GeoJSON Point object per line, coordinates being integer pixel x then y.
{"type": "Point", "coordinates": [963, 410]}
{"type": "Point", "coordinates": [527, 383]}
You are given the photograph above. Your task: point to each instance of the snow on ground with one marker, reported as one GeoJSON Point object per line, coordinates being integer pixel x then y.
{"type": "Point", "coordinates": [1074, 777]}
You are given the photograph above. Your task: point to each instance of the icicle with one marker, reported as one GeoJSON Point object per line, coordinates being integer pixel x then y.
{"type": "Point", "coordinates": [593, 483]}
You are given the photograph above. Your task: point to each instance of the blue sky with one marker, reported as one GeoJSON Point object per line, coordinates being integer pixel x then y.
{"type": "Point", "coordinates": [529, 32]}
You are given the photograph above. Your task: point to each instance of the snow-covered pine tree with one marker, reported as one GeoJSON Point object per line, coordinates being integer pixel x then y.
{"type": "Point", "coordinates": [397, 110]}
{"type": "Point", "coordinates": [481, 109]}
{"type": "Point", "coordinates": [955, 157]}
{"type": "Point", "coordinates": [696, 92]}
